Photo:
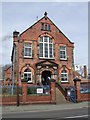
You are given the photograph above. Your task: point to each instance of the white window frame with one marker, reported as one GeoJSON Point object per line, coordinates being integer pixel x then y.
{"type": "Point", "coordinates": [28, 47]}
{"type": "Point", "coordinates": [65, 73]}
{"type": "Point", "coordinates": [30, 81]}
{"type": "Point", "coordinates": [48, 43]}
{"type": "Point", "coordinates": [65, 53]}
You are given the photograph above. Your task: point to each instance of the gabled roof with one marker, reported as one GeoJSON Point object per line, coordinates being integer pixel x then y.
{"type": "Point", "coordinates": [31, 26]}
{"type": "Point", "coordinates": [52, 23]}
{"type": "Point", "coordinates": [61, 31]}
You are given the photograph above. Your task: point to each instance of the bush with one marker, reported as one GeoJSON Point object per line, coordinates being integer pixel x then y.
{"type": "Point", "coordinates": [31, 90]}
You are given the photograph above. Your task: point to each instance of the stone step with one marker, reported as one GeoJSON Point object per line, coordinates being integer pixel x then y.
{"type": "Point", "coordinates": [59, 97]}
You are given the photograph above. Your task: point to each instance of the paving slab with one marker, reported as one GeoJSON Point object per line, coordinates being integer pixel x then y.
{"type": "Point", "coordinates": [44, 107]}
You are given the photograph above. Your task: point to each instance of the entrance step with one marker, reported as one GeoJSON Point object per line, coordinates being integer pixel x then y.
{"type": "Point", "coordinates": [60, 99]}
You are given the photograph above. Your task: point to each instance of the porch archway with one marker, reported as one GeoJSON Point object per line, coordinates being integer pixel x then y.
{"type": "Point", "coordinates": [46, 75]}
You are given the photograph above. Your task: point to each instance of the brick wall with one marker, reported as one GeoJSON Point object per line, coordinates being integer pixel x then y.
{"type": "Point", "coordinates": [7, 76]}
{"type": "Point", "coordinates": [84, 97]}
{"type": "Point", "coordinates": [81, 96]}
{"type": "Point", "coordinates": [10, 100]}
{"type": "Point", "coordinates": [30, 99]}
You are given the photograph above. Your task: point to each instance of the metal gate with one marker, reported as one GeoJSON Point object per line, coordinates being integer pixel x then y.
{"type": "Point", "coordinates": [73, 94]}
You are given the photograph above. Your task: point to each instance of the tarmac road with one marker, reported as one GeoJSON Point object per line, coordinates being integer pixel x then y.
{"type": "Point", "coordinates": [47, 112]}
{"type": "Point", "coordinates": [50, 115]}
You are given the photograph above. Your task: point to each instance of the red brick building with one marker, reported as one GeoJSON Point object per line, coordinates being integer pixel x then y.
{"type": "Point", "coordinates": [41, 52]}
{"type": "Point", "coordinates": [7, 75]}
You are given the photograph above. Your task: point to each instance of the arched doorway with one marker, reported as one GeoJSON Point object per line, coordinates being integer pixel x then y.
{"type": "Point", "coordinates": [46, 75]}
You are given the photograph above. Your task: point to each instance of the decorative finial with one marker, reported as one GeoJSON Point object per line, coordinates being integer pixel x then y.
{"type": "Point", "coordinates": [45, 14]}
{"type": "Point", "coordinates": [37, 18]}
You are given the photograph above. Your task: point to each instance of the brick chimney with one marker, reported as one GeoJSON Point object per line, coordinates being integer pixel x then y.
{"type": "Point", "coordinates": [85, 71]}
{"type": "Point", "coordinates": [15, 36]}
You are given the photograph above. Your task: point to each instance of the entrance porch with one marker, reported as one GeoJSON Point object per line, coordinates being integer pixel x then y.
{"type": "Point", "coordinates": [45, 70]}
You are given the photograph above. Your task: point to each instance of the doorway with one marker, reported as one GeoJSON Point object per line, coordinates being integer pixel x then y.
{"type": "Point", "coordinates": [46, 75]}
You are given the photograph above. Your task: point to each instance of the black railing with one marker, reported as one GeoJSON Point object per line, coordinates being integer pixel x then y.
{"type": "Point", "coordinates": [11, 90]}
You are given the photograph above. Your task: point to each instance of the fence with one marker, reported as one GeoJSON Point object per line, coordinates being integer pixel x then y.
{"type": "Point", "coordinates": [85, 88]}
{"type": "Point", "coordinates": [29, 94]}
{"type": "Point", "coordinates": [10, 90]}
{"type": "Point", "coordinates": [43, 90]}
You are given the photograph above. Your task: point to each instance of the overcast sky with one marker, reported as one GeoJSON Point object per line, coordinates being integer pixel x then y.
{"type": "Point", "coordinates": [71, 19]}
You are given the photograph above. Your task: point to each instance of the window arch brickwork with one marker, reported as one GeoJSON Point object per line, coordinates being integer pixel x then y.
{"type": "Point", "coordinates": [27, 73]}
{"type": "Point", "coordinates": [64, 74]}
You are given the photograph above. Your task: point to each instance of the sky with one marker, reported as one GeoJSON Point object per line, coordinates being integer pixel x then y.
{"type": "Point", "coordinates": [70, 17]}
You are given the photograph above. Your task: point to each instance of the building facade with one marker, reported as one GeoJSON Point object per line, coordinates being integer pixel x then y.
{"type": "Point", "coordinates": [7, 75]}
{"type": "Point", "coordinates": [42, 52]}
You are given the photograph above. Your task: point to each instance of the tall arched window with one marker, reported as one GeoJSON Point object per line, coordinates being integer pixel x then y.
{"type": "Point", "coordinates": [28, 75]}
{"type": "Point", "coordinates": [64, 76]}
{"type": "Point", "coordinates": [46, 47]}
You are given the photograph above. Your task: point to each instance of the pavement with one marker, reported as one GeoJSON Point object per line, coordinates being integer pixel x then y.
{"type": "Point", "coordinates": [44, 107]}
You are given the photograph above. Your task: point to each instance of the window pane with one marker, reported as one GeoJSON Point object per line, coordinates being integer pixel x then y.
{"type": "Point", "coordinates": [64, 71]}
{"type": "Point", "coordinates": [62, 79]}
{"type": "Point", "coordinates": [27, 44]}
{"type": "Point", "coordinates": [49, 27]}
{"type": "Point", "coordinates": [50, 50]}
{"type": "Point", "coordinates": [46, 47]}
{"type": "Point", "coordinates": [28, 49]}
{"type": "Point", "coordinates": [64, 75]}
{"type": "Point", "coordinates": [41, 39]}
{"type": "Point", "coordinates": [45, 39]}
{"type": "Point", "coordinates": [46, 50]}
{"type": "Point", "coordinates": [25, 76]}
{"type": "Point", "coordinates": [62, 47]}
{"type": "Point", "coordinates": [63, 52]}
{"type": "Point", "coordinates": [43, 26]}
{"type": "Point", "coordinates": [41, 50]}
{"type": "Point", "coordinates": [29, 76]}
{"type": "Point", "coordinates": [50, 40]}
{"type": "Point", "coordinates": [27, 70]}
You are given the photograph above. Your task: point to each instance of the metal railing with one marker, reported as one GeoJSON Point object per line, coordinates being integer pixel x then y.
{"type": "Point", "coordinates": [43, 90]}
{"type": "Point", "coordinates": [9, 90]}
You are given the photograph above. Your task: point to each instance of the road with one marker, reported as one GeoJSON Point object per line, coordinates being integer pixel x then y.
{"type": "Point", "coordinates": [81, 113]}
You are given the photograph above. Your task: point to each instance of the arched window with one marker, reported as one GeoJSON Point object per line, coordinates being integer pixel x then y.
{"type": "Point", "coordinates": [64, 76]}
{"type": "Point", "coordinates": [46, 47]}
{"type": "Point", "coordinates": [28, 75]}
